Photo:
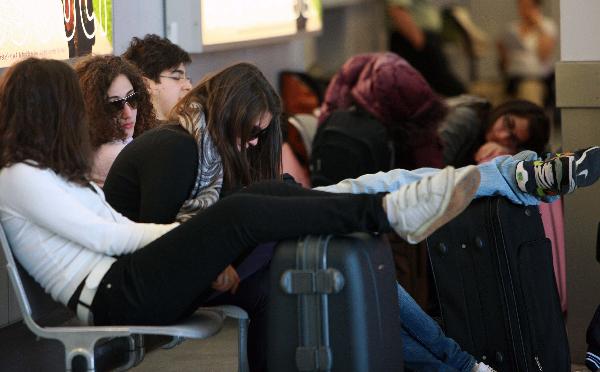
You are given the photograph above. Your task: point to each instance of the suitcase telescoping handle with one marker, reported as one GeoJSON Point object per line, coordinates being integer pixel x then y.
{"type": "Point", "coordinates": [312, 281]}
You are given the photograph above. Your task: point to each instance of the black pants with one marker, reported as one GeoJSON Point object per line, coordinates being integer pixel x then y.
{"type": "Point", "coordinates": [171, 277]}
{"type": "Point", "coordinates": [431, 62]}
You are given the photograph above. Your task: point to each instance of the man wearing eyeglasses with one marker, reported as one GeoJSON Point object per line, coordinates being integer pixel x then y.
{"type": "Point", "coordinates": [163, 65]}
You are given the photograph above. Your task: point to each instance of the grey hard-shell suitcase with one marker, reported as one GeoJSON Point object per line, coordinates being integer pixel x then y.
{"type": "Point", "coordinates": [334, 306]}
{"type": "Point", "coordinates": [493, 272]}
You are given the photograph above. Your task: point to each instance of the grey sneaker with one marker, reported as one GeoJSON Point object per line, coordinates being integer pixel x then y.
{"type": "Point", "coordinates": [482, 367]}
{"type": "Point", "coordinates": [417, 209]}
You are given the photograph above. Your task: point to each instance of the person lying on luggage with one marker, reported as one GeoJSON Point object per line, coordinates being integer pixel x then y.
{"type": "Point", "coordinates": [474, 132]}
{"type": "Point", "coordinates": [202, 120]}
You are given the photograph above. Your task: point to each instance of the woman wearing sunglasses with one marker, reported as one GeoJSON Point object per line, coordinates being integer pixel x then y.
{"type": "Point", "coordinates": [118, 107]}
{"type": "Point", "coordinates": [224, 136]}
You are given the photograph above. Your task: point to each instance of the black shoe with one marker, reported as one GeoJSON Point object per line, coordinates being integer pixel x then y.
{"type": "Point", "coordinates": [592, 361]}
{"type": "Point", "coordinates": [587, 166]}
{"type": "Point", "coordinates": [560, 174]}
{"type": "Point", "coordinates": [592, 337]}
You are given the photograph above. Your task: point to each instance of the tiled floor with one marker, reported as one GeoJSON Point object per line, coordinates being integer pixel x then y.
{"type": "Point", "coordinates": [579, 368]}
{"type": "Point", "coordinates": [216, 354]}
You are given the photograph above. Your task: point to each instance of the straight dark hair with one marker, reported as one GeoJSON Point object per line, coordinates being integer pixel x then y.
{"type": "Point", "coordinates": [42, 119]}
{"type": "Point", "coordinates": [233, 100]}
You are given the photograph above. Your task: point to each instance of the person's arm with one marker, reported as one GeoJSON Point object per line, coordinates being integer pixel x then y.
{"type": "Point", "coordinates": [404, 23]}
{"type": "Point", "coordinates": [166, 177]}
{"type": "Point", "coordinates": [459, 134]}
{"type": "Point", "coordinates": [40, 197]}
{"type": "Point", "coordinates": [546, 39]}
{"type": "Point", "coordinates": [502, 57]}
{"type": "Point", "coordinates": [490, 150]}
{"type": "Point", "coordinates": [291, 165]}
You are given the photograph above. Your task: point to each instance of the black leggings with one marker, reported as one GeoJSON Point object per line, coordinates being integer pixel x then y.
{"type": "Point", "coordinates": [170, 277]}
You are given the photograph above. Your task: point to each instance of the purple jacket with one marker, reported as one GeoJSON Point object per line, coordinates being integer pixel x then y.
{"type": "Point", "coordinates": [391, 90]}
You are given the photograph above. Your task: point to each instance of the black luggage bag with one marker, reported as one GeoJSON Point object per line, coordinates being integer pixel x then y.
{"type": "Point", "coordinates": [348, 144]}
{"type": "Point", "coordinates": [334, 306]}
{"type": "Point", "coordinates": [494, 277]}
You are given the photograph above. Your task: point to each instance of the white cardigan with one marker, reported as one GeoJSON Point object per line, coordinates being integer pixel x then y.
{"type": "Point", "coordinates": [61, 232]}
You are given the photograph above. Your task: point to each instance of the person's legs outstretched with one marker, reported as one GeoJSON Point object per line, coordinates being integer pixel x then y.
{"type": "Point", "coordinates": [497, 178]}
{"type": "Point", "coordinates": [425, 346]}
{"type": "Point", "coordinates": [415, 209]}
{"type": "Point", "coordinates": [159, 283]}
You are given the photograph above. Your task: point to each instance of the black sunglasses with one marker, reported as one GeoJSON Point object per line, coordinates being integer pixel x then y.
{"type": "Point", "coordinates": [131, 100]}
{"type": "Point", "coordinates": [257, 132]}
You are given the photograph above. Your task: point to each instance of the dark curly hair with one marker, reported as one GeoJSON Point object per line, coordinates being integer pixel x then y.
{"type": "Point", "coordinates": [42, 119]}
{"type": "Point", "coordinates": [96, 73]}
{"type": "Point", "coordinates": [154, 54]}
{"type": "Point", "coordinates": [232, 100]}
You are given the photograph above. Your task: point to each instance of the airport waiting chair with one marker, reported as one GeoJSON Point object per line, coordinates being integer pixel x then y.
{"type": "Point", "coordinates": [79, 341]}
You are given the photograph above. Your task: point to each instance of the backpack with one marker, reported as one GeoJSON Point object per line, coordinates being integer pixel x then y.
{"type": "Point", "coordinates": [348, 144]}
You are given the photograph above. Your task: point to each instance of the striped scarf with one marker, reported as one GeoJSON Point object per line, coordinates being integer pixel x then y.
{"type": "Point", "coordinates": [209, 179]}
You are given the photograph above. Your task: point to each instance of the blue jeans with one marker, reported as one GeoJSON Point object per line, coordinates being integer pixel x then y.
{"type": "Point", "coordinates": [425, 346]}
{"type": "Point", "coordinates": [497, 178]}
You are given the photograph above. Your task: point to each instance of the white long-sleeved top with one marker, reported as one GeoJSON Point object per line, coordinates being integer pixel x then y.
{"type": "Point", "coordinates": [61, 232]}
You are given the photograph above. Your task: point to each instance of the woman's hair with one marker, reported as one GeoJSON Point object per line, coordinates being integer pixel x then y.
{"type": "Point", "coordinates": [539, 124]}
{"type": "Point", "coordinates": [42, 119]}
{"type": "Point", "coordinates": [96, 74]}
{"type": "Point", "coordinates": [233, 100]}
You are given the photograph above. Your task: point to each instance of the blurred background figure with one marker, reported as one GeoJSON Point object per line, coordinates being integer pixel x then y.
{"type": "Point", "coordinates": [526, 53]}
{"type": "Point", "coordinates": [415, 27]}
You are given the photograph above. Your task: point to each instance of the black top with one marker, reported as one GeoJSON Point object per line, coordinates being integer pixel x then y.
{"type": "Point", "coordinates": [153, 175]}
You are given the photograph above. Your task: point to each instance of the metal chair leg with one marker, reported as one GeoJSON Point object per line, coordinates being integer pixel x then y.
{"type": "Point", "coordinates": [242, 345]}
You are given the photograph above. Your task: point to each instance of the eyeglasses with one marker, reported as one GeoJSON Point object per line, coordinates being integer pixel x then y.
{"type": "Point", "coordinates": [177, 78]}
{"type": "Point", "coordinates": [131, 100]}
{"type": "Point", "coordinates": [257, 132]}
{"type": "Point", "coordinates": [509, 124]}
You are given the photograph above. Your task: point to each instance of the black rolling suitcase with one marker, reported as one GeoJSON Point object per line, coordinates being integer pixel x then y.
{"type": "Point", "coordinates": [334, 306]}
{"type": "Point", "coordinates": [495, 282]}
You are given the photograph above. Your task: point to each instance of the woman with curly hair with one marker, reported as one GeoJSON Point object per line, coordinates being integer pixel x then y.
{"type": "Point", "coordinates": [117, 105]}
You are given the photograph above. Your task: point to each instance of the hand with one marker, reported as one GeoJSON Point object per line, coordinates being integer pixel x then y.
{"type": "Point", "coordinates": [490, 150]}
{"type": "Point", "coordinates": [535, 18]}
{"type": "Point", "coordinates": [228, 280]}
